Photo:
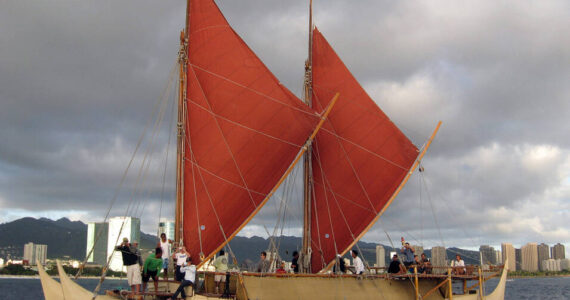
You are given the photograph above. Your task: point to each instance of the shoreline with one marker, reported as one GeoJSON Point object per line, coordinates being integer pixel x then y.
{"type": "Point", "coordinates": [537, 276]}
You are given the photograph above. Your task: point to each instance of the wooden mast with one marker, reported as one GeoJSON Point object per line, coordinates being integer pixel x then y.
{"type": "Point", "coordinates": [308, 172]}
{"type": "Point", "coordinates": [181, 125]}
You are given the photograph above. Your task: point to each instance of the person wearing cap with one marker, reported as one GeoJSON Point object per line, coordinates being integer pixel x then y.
{"type": "Point", "coordinates": [357, 262]}
{"type": "Point", "coordinates": [189, 271]}
{"type": "Point", "coordinates": [131, 261]}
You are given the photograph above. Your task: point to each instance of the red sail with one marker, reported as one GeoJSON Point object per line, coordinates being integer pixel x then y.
{"type": "Point", "coordinates": [359, 159]}
{"type": "Point", "coordinates": [243, 131]}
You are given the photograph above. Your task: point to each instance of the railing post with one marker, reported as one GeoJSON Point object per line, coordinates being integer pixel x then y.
{"type": "Point", "coordinates": [417, 283]}
{"type": "Point", "coordinates": [450, 287]}
{"type": "Point", "coordinates": [480, 284]}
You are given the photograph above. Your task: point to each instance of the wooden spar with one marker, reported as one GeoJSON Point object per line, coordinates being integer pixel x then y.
{"type": "Point", "coordinates": [416, 283]}
{"type": "Point", "coordinates": [400, 187]}
{"type": "Point", "coordinates": [307, 170]}
{"type": "Point", "coordinates": [297, 158]}
{"type": "Point", "coordinates": [178, 214]}
{"type": "Point", "coordinates": [449, 284]}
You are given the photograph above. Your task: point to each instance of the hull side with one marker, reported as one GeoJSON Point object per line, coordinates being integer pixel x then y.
{"type": "Point", "coordinates": [341, 288]}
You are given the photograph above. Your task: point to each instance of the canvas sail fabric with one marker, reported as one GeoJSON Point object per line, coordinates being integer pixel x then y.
{"type": "Point", "coordinates": [51, 288]}
{"type": "Point", "coordinates": [359, 158]}
{"type": "Point", "coordinates": [243, 131]}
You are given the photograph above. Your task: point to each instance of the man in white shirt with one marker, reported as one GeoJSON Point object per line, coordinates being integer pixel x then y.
{"type": "Point", "coordinates": [357, 262]}
{"type": "Point", "coordinates": [457, 263]}
{"type": "Point", "coordinates": [164, 244]}
{"type": "Point", "coordinates": [189, 271]}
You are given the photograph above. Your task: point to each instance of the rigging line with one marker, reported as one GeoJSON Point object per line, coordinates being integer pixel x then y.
{"type": "Point", "coordinates": [194, 164]}
{"type": "Point", "coordinates": [445, 202]}
{"type": "Point", "coordinates": [118, 188]}
{"type": "Point", "coordinates": [302, 110]}
{"type": "Point", "coordinates": [433, 213]}
{"type": "Point", "coordinates": [148, 155]}
{"type": "Point", "coordinates": [421, 211]}
{"type": "Point", "coordinates": [365, 149]}
{"type": "Point", "coordinates": [226, 180]}
{"type": "Point", "coordinates": [318, 157]}
{"type": "Point", "coordinates": [170, 131]}
{"type": "Point", "coordinates": [352, 167]}
{"type": "Point", "coordinates": [345, 198]}
{"type": "Point", "coordinates": [228, 148]}
{"type": "Point", "coordinates": [213, 207]}
{"type": "Point", "coordinates": [243, 126]}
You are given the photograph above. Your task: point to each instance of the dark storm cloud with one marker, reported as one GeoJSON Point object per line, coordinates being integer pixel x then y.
{"type": "Point", "coordinates": [78, 82]}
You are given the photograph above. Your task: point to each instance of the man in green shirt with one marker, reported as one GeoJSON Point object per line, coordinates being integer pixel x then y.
{"type": "Point", "coordinates": [152, 266]}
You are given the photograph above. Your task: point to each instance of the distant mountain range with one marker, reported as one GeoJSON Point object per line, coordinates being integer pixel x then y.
{"type": "Point", "coordinates": [67, 238]}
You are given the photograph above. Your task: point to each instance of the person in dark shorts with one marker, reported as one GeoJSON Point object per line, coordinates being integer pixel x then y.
{"type": "Point", "coordinates": [152, 266]}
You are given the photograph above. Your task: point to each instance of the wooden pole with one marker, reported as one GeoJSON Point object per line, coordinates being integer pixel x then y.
{"type": "Point", "coordinates": [449, 284]}
{"type": "Point", "coordinates": [416, 285]}
{"type": "Point", "coordinates": [180, 140]}
{"type": "Point", "coordinates": [307, 170]}
{"type": "Point", "coordinates": [480, 284]}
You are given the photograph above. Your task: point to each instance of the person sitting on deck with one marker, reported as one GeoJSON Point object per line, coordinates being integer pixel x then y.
{"type": "Point", "coordinates": [152, 266]}
{"type": "Point", "coordinates": [425, 264]}
{"type": "Point", "coordinates": [281, 269]}
{"type": "Point", "coordinates": [189, 271]}
{"type": "Point", "coordinates": [408, 252]}
{"type": "Point", "coordinates": [357, 262]}
{"type": "Point", "coordinates": [458, 265]}
{"type": "Point", "coordinates": [263, 264]}
{"type": "Point", "coordinates": [416, 263]}
{"type": "Point", "coordinates": [396, 267]}
{"type": "Point", "coordinates": [221, 265]}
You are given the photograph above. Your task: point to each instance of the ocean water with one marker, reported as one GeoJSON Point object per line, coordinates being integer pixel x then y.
{"type": "Point", "coordinates": [518, 288]}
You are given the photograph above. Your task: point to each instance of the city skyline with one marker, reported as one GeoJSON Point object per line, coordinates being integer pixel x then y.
{"type": "Point", "coordinates": [75, 98]}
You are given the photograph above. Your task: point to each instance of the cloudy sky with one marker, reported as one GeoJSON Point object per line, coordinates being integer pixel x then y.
{"type": "Point", "coordinates": [79, 81]}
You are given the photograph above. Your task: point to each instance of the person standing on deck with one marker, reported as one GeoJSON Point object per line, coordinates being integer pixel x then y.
{"type": "Point", "coordinates": [152, 266]}
{"type": "Point", "coordinates": [263, 264]}
{"type": "Point", "coordinates": [221, 265]}
{"type": "Point", "coordinates": [295, 262]}
{"type": "Point", "coordinates": [357, 262]}
{"type": "Point", "coordinates": [189, 271]}
{"type": "Point", "coordinates": [130, 260]}
{"type": "Point", "coordinates": [180, 259]}
{"type": "Point", "coordinates": [408, 252]}
{"type": "Point", "coordinates": [164, 244]}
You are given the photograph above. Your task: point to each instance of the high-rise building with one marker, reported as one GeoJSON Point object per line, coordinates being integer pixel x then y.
{"type": "Point", "coordinates": [508, 252]}
{"type": "Point", "coordinates": [488, 254]}
{"type": "Point", "coordinates": [167, 227]}
{"type": "Point", "coordinates": [380, 256]}
{"type": "Point", "coordinates": [565, 264]}
{"type": "Point", "coordinates": [119, 228]}
{"type": "Point", "coordinates": [552, 265]}
{"type": "Point", "coordinates": [518, 259]}
{"type": "Point", "coordinates": [99, 253]}
{"type": "Point", "coordinates": [530, 257]}
{"type": "Point", "coordinates": [438, 259]}
{"type": "Point", "coordinates": [35, 253]}
{"type": "Point", "coordinates": [558, 251]}
{"type": "Point", "coordinates": [543, 254]}
{"type": "Point", "coordinates": [418, 250]}
{"type": "Point", "coordinates": [498, 257]}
